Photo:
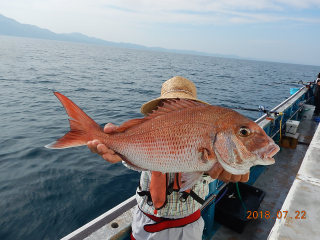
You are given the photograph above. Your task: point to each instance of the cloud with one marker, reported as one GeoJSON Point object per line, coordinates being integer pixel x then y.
{"type": "Point", "coordinates": [212, 12]}
{"type": "Point", "coordinates": [188, 12]}
{"type": "Point", "coordinates": [299, 4]}
{"type": "Point", "coordinates": [211, 6]}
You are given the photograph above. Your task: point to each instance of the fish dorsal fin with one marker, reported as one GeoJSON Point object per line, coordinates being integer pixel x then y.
{"type": "Point", "coordinates": [169, 105]}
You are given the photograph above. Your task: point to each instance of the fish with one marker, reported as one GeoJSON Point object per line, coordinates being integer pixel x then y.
{"type": "Point", "coordinates": [181, 136]}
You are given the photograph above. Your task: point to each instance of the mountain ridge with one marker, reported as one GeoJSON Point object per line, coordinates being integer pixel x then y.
{"type": "Point", "coordinates": [11, 27]}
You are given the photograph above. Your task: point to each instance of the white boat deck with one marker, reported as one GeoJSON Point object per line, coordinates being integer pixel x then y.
{"type": "Point", "coordinates": [303, 200]}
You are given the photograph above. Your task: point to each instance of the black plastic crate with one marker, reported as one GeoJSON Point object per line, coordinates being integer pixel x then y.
{"type": "Point", "coordinates": [229, 210]}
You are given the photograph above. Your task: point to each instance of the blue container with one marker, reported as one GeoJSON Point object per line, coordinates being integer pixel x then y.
{"type": "Point", "coordinates": [293, 90]}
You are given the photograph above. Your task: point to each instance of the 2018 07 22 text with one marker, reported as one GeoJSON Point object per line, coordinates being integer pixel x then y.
{"type": "Point", "coordinates": [279, 215]}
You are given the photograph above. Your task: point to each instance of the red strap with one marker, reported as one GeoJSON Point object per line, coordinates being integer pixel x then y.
{"type": "Point", "coordinates": [166, 223]}
{"type": "Point", "coordinates": [131, 237]}
{"type": "Point", "coordinates": [154, 218]}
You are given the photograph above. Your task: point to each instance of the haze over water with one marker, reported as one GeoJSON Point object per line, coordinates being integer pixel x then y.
{"type": "Point", "coordinates": [46, 193]}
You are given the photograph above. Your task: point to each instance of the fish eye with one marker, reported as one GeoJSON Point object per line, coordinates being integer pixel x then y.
{"type": "Point", "coordinates": [244, 132]}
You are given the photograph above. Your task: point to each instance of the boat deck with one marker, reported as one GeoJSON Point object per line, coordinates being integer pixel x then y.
{"type": "Point", "coordinates": [303, 200]}
{"type": "Point", "coordinates": [276, 181]}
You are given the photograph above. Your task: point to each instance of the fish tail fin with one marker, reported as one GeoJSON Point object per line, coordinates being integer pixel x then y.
{"type": "Point", "coordinates": [83, 128]}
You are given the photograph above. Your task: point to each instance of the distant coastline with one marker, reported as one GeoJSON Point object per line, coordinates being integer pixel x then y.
{"type": "Point", "coordinates": [10, 27]}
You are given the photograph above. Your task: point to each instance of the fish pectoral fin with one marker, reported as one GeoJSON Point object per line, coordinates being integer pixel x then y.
{"type": "Point", "coordinates": [207, 155]}
{"type": "Point", "coordinates": [189, 179]}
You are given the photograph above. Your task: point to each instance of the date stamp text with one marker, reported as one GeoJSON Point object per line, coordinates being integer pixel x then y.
{"type": "Point", "coordinates": [279, 215]}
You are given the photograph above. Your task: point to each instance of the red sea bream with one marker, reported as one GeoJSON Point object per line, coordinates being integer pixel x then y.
{"type": "Point", "coordinates": [181, 136]}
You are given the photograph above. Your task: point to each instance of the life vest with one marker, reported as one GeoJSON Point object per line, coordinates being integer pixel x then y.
{"type": "Point", "coordinates": [160, 189]}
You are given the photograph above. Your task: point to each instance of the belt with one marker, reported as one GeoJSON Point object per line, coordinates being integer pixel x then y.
{"type": "Point", "coordinates": [165, 223]}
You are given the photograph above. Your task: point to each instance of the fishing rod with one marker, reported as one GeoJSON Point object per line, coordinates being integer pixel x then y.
{"type": "Point", "coordinates": [308, 83]}
{"type": "Point", "coordinates": [261, 109]}
{"type": "Point", "coordinates": [292, 115]}
{"type": "Point", "coordinates": [212, 197]}
{"type": "Point", "coordinates": [299, 82]}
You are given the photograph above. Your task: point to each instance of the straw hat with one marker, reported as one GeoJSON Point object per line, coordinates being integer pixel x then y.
{"type": "Point", "coordinates": [176, 87]}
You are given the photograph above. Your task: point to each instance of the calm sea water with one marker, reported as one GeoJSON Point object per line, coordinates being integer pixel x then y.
{"type": "Point", "coordinates": [45, 193]}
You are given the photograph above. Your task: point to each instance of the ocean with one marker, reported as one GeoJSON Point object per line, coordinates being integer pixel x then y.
{"type": "Point", "coordinates": [46, 193]}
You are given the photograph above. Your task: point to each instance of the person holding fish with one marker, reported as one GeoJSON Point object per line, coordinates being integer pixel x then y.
{"type": "Point", "coordinates": [168, 204]}
{"type": "Point", "coordinates": [180, 146]}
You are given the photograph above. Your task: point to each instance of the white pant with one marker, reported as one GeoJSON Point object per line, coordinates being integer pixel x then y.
{"type": "Point", "coordinates": [192, 231]}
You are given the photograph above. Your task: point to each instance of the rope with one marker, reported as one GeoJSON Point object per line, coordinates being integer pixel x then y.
{"type": "Point", "coordinates": [244, 206]}
{"type": "Point", "coordinates": [280, 126]}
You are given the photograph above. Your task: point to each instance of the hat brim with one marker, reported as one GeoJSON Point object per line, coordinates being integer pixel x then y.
{"type": "Point", "coordinates": [153, 104]}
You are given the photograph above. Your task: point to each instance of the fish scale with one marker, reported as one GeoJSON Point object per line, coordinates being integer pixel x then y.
{"type": "Point", "coordinates": [176, 148]}
{"type": "Point", "coordinates": [175, 138]}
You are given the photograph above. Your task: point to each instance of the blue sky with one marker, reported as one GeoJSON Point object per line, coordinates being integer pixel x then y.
{"type": "Point", "coordinates": [272, 30]}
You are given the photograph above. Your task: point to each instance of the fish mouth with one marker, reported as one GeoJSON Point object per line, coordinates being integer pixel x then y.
{"type": "Point", "coordinates": [266, 154]}
{"type": "Point", "coordinates": [267, 151]}
{"type": "Point", "coordinates": [272, 151]}
{"type": "Point", "coordinates": [269, 155]}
